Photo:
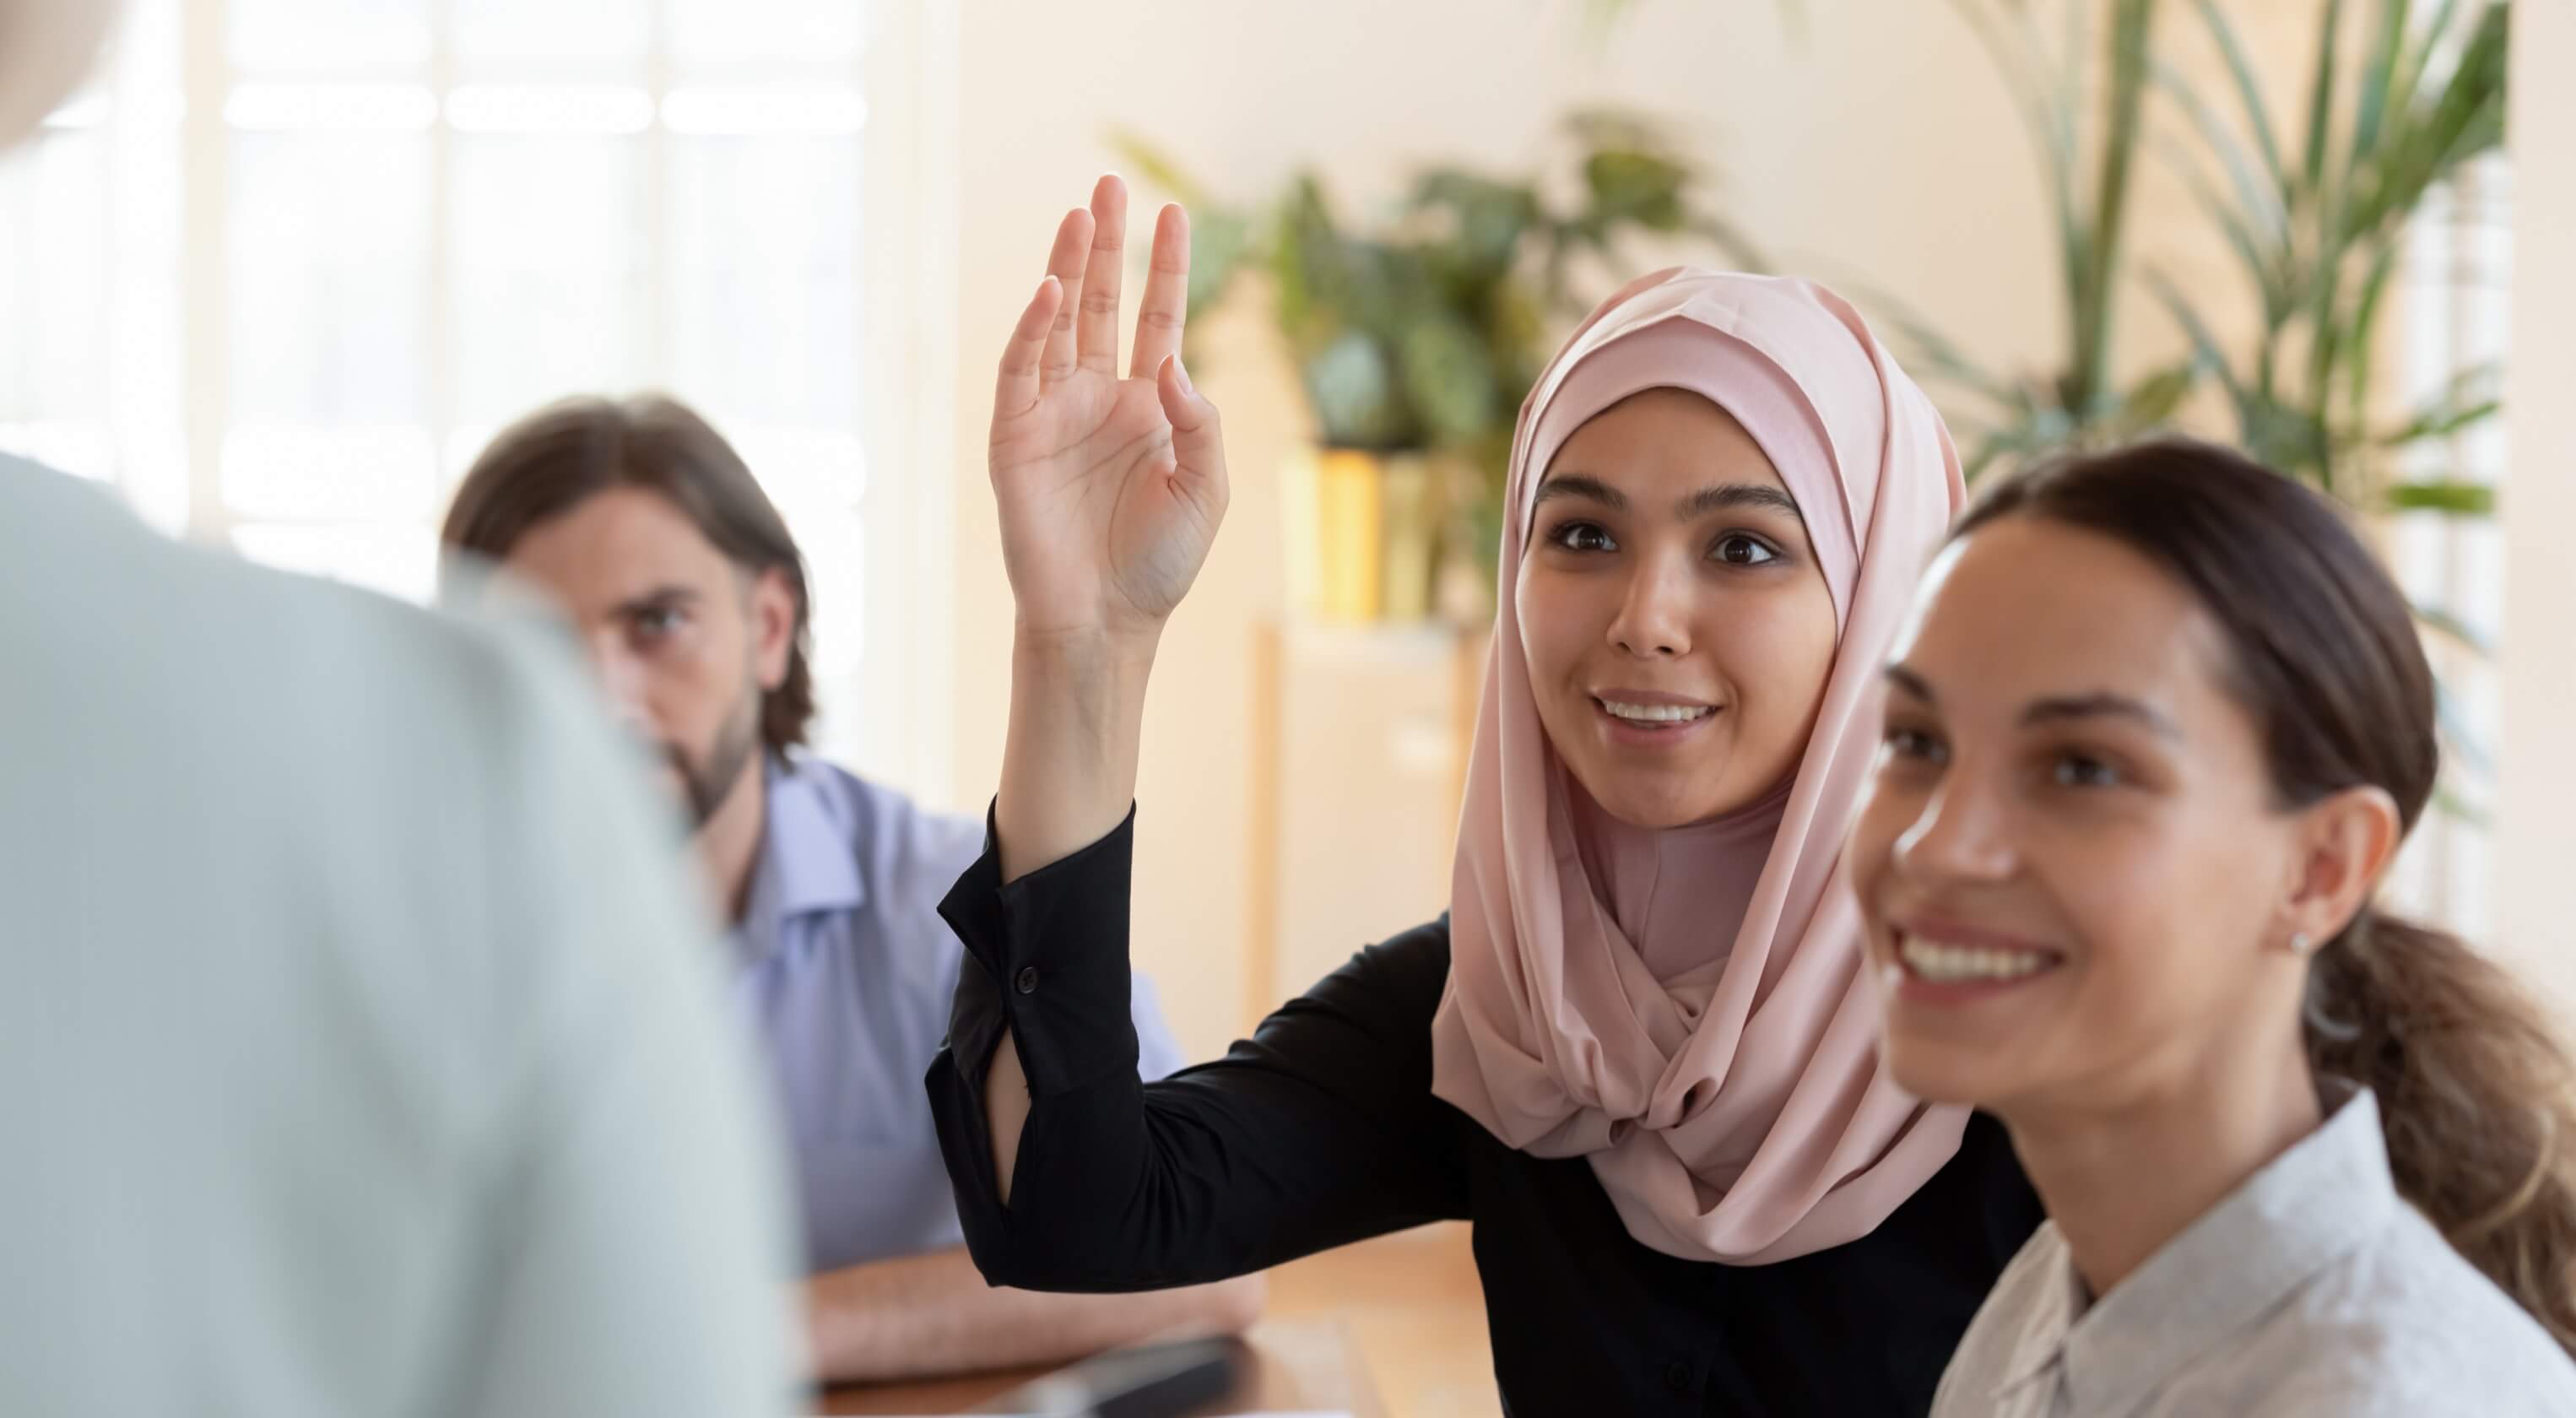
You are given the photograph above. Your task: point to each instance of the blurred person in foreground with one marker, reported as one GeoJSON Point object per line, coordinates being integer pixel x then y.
{"type": "Point", "coordinates": [353, 1057]}
{"type": "Point", "coordinates": [690, 596]}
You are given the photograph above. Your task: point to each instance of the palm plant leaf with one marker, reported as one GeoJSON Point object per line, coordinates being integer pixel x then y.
{"type": "Point", "coordinates": [2321, 92]}
{"type": "Point", "coordinates": [2249, 92]}
{"type": "Point", "coordinates": [2465, 400]}
{"type": "Point", "coordinates": [2379, 77]}
{"type": "Point", "coordinates": [2254, 248]}
{"type": "Point", "coordinates": [2451, 499]}
{"type": "Point", "coordinates": [2451, 627]}
{"type": "Point", "coordinates": [2132, 23]}
{"type": "Point", "coordinates": [2259, 190]}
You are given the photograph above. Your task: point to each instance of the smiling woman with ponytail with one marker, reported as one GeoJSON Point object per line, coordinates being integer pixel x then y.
{"type": "Point", "coordinates": [2155, 731]}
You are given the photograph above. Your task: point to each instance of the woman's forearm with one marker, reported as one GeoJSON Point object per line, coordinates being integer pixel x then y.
{"type": "Point", "coordinates": [1069, 762]}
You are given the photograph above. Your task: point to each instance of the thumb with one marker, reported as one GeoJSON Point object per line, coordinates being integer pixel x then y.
{"type": "Point", "coordinates": [1198, 435]}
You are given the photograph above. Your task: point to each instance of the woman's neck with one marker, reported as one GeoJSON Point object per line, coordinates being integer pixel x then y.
{"type": "Point", "coordinates": [1677, 893]}
{"type": "Point", "coordinates": [2121, 1182]}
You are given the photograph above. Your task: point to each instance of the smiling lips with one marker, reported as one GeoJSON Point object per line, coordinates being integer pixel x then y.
{"type": "Point", "coordinates": [1649, 716]}
{"type": "Point", "coordinates": [1655, 713]}
{"type": "Point", "coordinates": [1952, 965]}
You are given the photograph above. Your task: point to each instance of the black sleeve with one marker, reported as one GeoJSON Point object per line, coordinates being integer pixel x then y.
{"type": "Point", "coordinates": [1319, 1130]}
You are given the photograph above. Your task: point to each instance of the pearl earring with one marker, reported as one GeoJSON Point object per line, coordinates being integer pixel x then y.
{"type": "Point", "coordinates": [2299, 943]}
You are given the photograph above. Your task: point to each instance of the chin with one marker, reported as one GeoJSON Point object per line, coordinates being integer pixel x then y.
{"type": "Point", "coordinates": [1938, 1072]}
{"type": "Point", "coordinates": [1639, 799]}
{"type": "Point", "coordinates": [1664, 818]}
{"type": "Point", "coordinates": [1654, 811]}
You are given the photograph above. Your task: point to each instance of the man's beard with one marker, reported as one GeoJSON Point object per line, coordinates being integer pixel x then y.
{"type": "Point", "coordinates": [709, 778]}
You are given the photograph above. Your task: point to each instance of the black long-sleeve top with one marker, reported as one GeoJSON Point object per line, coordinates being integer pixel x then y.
{"type": "Point", "coordinates": [1322, 1130]}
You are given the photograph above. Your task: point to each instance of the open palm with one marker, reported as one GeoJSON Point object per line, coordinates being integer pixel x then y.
{"type": "Point", "coordinates": [1110, 489]}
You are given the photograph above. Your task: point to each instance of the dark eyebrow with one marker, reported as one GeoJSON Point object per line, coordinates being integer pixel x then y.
{"type": "Point", "coordinates": [2099, 706]}
{"type": "Point", "coordinates": [1584, 486]}
{"type": "Point", "coordinates": [658, 599]}
{"type": "Point", "coordinates": [1910, 682]}
{"type": "Point", "coordinates": [2052, 710]}
{"type": "Point", "coordinates": [1722, 498]}
{"type": "Point", "coordinates": [1731, 497]}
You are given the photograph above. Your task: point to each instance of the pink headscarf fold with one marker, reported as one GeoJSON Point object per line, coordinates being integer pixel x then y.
{"type": "Point", "coordinates": [1734, 1111]}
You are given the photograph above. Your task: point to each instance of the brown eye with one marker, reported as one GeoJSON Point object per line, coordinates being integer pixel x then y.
{"type": "Point", "coordinates": [2076, 770]}
{"type": "Point", "coordinates": [1916, 745]}
{"type": "Point", "coordinates": [1582, 536]}
{"type": "Point", "coordinates": [1737, 549]}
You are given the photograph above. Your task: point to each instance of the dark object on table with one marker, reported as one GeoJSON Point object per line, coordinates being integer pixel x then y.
{"type": "Point", "coordinates": [1149, 1381]}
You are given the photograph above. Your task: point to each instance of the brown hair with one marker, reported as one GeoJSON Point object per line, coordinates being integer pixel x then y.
{"type": "Point", "coordinates": [2477, 1091]}
{"type": "Point", "coordinates": [547, 463]}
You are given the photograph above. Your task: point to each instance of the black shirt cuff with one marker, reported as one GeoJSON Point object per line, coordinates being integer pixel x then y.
{"type": "Point", "coordinates": [1046, 957]}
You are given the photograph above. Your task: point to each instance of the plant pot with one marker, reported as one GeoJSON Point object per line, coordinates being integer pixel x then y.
{"type": "Point", "coordinates": [1365, 532]}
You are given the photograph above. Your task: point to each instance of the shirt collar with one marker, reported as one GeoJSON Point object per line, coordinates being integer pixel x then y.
{"type": "Point", "coordinates": [2041, 1346]}
{"type": "Point", "coordinates": [2307, 1208]}
{"type": "Point", "coordinates": [806, 866]}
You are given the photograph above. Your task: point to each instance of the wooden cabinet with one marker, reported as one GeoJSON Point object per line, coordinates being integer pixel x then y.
{"type": "Point", "coordinates": [1361, 737]}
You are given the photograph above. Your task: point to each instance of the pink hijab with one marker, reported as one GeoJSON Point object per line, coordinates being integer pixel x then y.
{"type": "Point", "coordinates": [1688, 1008]}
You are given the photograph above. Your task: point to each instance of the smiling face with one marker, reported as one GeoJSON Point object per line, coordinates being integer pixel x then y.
{"type": "Point", "coordinates": [2075, 870]}
{"type": "Point", "coordinates": [1677, 627]}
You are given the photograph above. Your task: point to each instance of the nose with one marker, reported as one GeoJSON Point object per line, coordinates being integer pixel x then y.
{"type": "Point", "coordinates": [1654, 611]}
{"type": "Point", "coordinates": [1964, 833]}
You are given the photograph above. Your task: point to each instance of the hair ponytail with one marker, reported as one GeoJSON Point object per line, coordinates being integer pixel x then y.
{"type": "Point", "coordinates": [2476, 1093]}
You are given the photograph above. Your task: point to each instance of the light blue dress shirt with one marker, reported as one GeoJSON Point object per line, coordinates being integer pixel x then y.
{"type": "Point", "coordinates": [846, 972]}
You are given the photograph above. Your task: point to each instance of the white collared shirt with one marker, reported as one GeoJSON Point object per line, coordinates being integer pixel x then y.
{"type": "Point", "coordinates": [2312, 1289]}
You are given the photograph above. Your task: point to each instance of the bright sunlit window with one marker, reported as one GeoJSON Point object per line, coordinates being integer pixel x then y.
{"type": "Point", "coordinates": [2458, 326]}
{"type": "Point", "coordinates": [280, 272]}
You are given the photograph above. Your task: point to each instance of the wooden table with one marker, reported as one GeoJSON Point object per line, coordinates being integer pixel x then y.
{"type": "Point", "coordinates": [1296, 1368]}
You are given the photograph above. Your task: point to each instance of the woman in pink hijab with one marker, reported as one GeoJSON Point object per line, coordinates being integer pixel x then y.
{"type": "Point", "coordinates": [1639, 1053]}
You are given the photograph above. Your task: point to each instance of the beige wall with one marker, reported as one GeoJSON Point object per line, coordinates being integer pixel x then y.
{"type": "Point", "coordinates": [1878, 147]}
{"type": "Point", "coordinates": [2539, 754]}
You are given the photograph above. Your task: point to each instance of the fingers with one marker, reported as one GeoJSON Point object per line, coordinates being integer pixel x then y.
{"type": "Point", "coordinates": [1167, 295]}
{"type": "Point", "coordinates": [1198, 435]}
{"type": "Point", "coordinates": [1064, 264]}
{"type": "Point", "coordinates": [1096, 307]}
{"type": "Point", "coordinates": [1024, 358]}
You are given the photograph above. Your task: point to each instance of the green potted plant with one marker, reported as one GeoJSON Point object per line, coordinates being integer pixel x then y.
{"type": "Point", "coordinates": [2320, 240]}
{"type": "Point", "coordinates": [2088, 146]}
{"type": "Point", "coordinates": [2319, 232]}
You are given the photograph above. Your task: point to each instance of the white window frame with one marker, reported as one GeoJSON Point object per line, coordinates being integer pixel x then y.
{"type": "Point", "coordinates": [2459, 272]}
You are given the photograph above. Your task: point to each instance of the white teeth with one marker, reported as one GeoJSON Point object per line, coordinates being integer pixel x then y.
{"type": "Point", "coordinates": [1657, 713]}
{"type": "Point", "coordinates": [1948, 964]}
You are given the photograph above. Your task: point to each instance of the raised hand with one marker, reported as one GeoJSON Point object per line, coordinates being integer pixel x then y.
{"type": "Point", "coordinates": [1110, 489]}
